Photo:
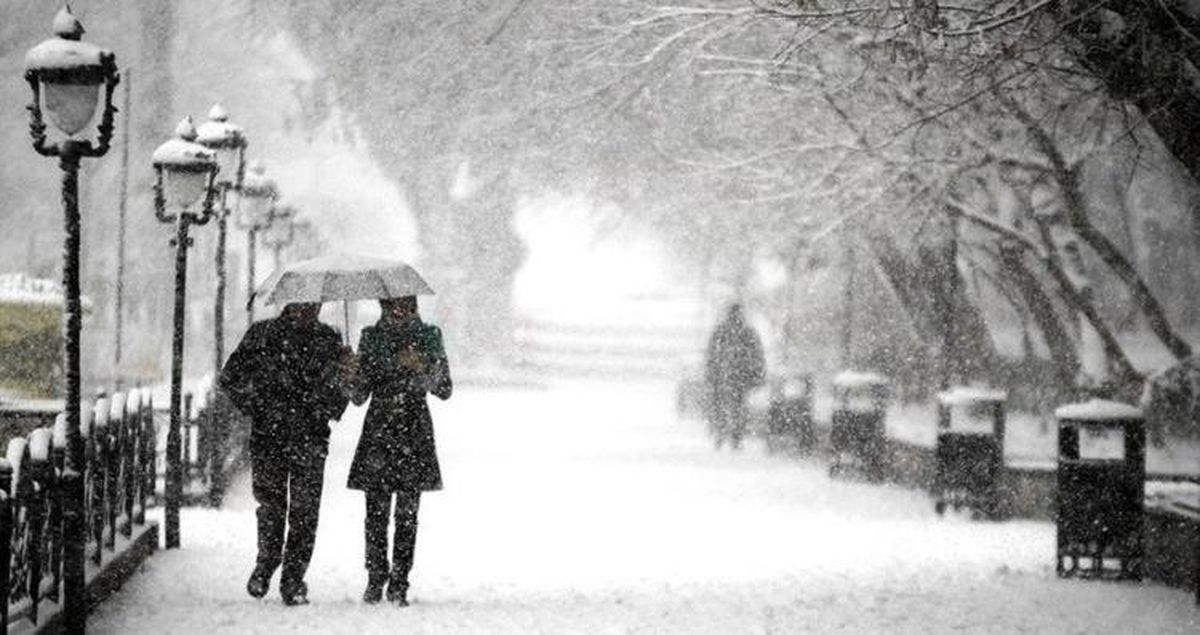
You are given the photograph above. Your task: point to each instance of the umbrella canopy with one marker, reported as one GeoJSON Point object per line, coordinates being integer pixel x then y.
{"type": "Point", "coordinates": [342, 277]}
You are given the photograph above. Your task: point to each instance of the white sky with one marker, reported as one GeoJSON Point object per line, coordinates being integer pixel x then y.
{"type": "Point", "coordinates": [576, 273]}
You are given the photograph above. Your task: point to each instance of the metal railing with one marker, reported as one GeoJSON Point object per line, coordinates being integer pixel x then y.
{"type": "Point", "coordinates": [215, 439]}
{"type": "Point", "coordinates": [119, 447]}
{"type": "Point", "coordinates": [124, 463]}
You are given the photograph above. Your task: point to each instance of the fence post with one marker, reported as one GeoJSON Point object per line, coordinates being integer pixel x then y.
{"type": "Point", "coordinates": [58, 458]}
{"type": "Point", "coordinates": [94, 476]}
{"type": "Point", "coordinates": [5, 539]}
{"type": "Point", "coordinates": [149, 458]}
{"type": "Point", "coordinates": [204, 440]}
{"type": "Point", "coordinates": [112, 466]}
{"type": "Point", "coordinates": [40, 475]}
{"type": "Point", "coordinates": [133, 420]}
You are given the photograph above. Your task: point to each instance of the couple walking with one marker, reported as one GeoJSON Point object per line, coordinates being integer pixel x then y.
{"type": "Point", "coordinates": [292, 375]}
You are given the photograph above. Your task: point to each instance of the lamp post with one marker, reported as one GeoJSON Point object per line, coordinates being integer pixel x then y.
{"type": "Point", "coordinates": [280, 230]}
{"type": "Point", "coordinates": [65, 75]}
{"type": "Point", "coordinates": [229, 142]}
{"type": "Point", "coordinates": [183, 195]}
{"type": "Point", "coordinates": [259, 194]}
{"type": "Point", "coordinates": [306, 243]}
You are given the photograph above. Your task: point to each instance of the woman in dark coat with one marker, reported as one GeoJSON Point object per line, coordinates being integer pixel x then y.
{"type": "Point", "coordinates": [401, 359]}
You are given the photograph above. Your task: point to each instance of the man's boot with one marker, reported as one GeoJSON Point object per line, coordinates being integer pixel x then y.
{"type": "Point", "coordinates": [293, 593]}
{"type": "Point", "coordinates": [259, 582]}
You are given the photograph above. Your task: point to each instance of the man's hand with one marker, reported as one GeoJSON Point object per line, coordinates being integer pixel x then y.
{"type": "Point", "coordinates": [348, 378]}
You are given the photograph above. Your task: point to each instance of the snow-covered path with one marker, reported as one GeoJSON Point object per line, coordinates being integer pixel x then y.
{"type": "Point", "coordinates": [588, 507]}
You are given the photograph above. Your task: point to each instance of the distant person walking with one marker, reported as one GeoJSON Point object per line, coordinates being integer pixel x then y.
{"type": "Point", "coordinates": [401, 359]}
{"type": "Point", "coordinates": [733, 365]}
{"type": "Point", "coordinates": [290, 375]}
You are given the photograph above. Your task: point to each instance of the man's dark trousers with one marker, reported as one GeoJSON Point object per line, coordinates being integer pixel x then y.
{"type": "Point", "coordinates": [404, 540]}
{"type": "Point", "coordinates": [287, 485]}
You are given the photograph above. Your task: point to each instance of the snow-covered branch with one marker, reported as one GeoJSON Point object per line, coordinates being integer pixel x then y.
{"type": "Point", "coordinates": [1006, 232]}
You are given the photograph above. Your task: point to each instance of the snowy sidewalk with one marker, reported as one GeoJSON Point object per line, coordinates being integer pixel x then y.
{"type": "Point", "coordinates": [589, 508]}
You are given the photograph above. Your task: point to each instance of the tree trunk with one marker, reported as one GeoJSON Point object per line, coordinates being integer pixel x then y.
{"type": "Point", "coordinates": [966, 344]}
{"type": "Point", "coordinates": [1127, 378]}
{"type": "Point", "coordinates": [1041, 308]}
{"type": "Point", "coordinates": [1077, 217]}
{"type": "Point", "coordinates": [931, 293]}
{"type": "Point", "coordinates": [1156, 316]}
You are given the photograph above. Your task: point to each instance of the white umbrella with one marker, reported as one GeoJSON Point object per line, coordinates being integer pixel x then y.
{"type": "Point", "coordinates": [342, 276]}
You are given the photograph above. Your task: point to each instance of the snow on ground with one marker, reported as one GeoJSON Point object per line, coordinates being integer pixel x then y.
{"type": "Point", "coordinates": [591, 508]}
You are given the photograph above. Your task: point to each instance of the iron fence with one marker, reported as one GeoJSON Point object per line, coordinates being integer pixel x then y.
{"type": "Point", "coordinates": [124, 464]}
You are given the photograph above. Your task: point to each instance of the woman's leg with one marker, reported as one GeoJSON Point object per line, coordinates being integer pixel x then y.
{"type": "Point", "coordinates": [403, 543]}
{"type": "Point", "coordinates": [375, 534]}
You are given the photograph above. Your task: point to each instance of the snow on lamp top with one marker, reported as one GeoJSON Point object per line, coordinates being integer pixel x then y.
{"type": "Point", "coordinates": [65, 51]}
{"type": "Point", "coordinates": [70, 73]}
{"type": "Point", "coordinates": [182, 152]}
{"type": "Point", "coordinates": [185, 174]}
{"type": "Point", "coordinates": [185, 169]}
{"type": "Point", "coordinates": [1098, 410]}
{"type": "Point", "coordinates": [218, 133]}
{"type": "Point", "coordinates": [259, 193]}
{"type": "Point", "coordinates": [258, 185]}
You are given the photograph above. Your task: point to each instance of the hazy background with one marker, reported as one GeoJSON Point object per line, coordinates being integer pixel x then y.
{"type": "Point", "coordinates": [552, 167]}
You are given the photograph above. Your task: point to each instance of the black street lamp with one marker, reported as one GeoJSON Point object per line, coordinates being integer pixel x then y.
{"type": "Point", "coordinates": [306, 243]}
{"type": "Point", "coordinates": [65, 75]}
{"type": "Point", "coordinates": [229, 142]}
{"type": "Point", "coordinates": [280, 231]}
{"type": "Point", "coordinates": [259, 194]}
{"type": "Point", "coordinates": [183, 195]}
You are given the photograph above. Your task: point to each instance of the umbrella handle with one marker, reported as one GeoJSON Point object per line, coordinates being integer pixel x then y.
{"type": "Point", "coordinates": [346, 321]}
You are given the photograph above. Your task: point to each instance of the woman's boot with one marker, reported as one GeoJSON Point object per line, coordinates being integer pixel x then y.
{"type": "Point", "coordinates": [397, 591]}
{"type": "Point", "coordinates": [374, 592]}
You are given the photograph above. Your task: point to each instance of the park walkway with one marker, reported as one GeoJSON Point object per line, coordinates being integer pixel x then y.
{"type": "Point", "coordinates": [590, 507]}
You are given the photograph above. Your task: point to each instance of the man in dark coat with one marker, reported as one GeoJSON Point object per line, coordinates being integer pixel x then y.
{"type": "Point", "coordinates": [289, 375]}
{"type": "Point", "coordinates": [400, 360]}
{"type": "Point", "coordinates": [733, 365]}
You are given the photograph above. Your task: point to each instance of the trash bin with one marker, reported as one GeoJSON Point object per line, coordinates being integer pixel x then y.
{"type": "Point", "coordinates": [789, 414]}
{"type": "Point", "coordinates": [1101, 490]}
{"type": "Point", "coordinates": [691, 396]}
{"type": "Point", "coordinates": [969, 453]}
{"type": "Point", "coordinates": [856, 435]}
